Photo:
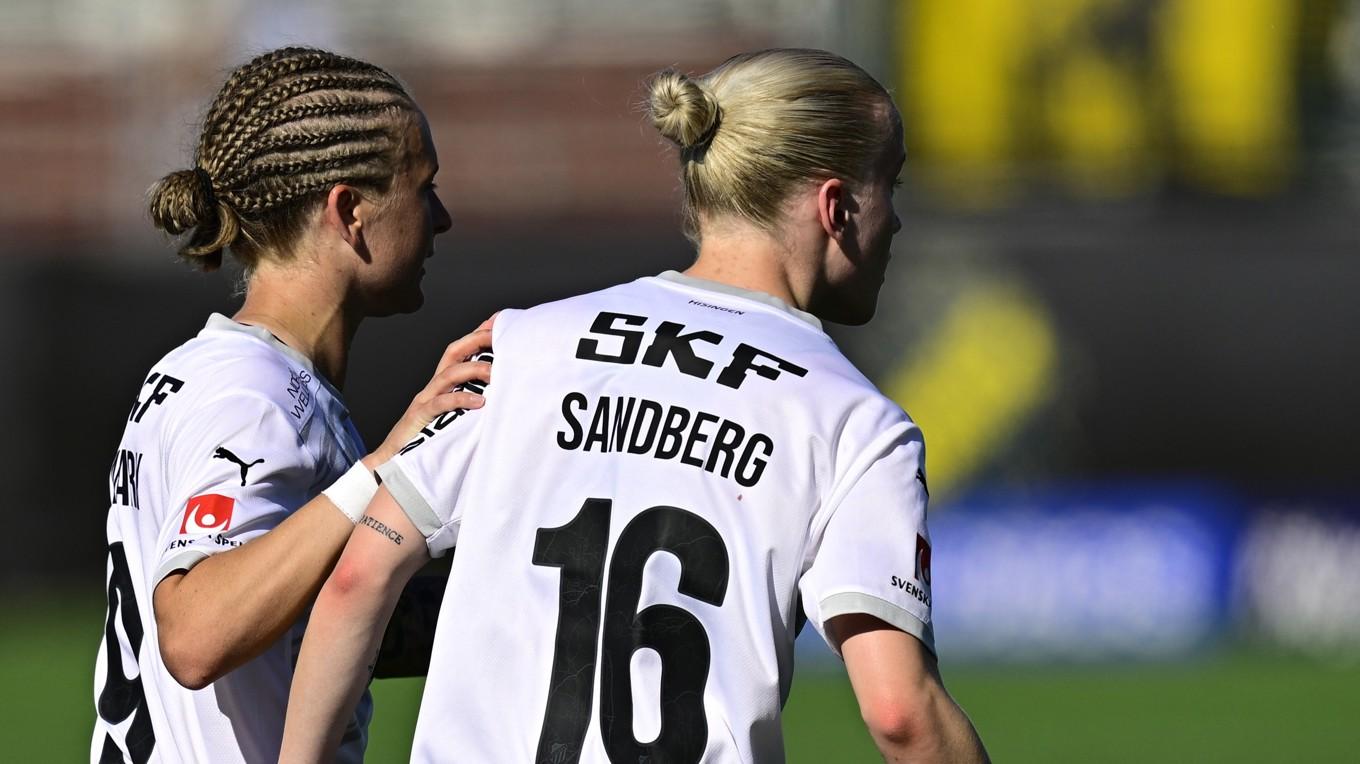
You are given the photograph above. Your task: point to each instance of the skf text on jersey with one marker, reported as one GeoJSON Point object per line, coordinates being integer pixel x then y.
{"type": "Point", "coordinates": [669, 342]}
{"type": "Point", "coordinates": [162, 386]}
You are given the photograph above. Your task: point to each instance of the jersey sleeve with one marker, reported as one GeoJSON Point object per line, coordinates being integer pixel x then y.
{"type": "Point", "coordinates": [427, 477]}
{"type": "Point", "coordinates": [872, 554]}
{"type": "Point", "coordinates": [236, 468]}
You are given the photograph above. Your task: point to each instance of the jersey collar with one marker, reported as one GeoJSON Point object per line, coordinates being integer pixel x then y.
{"type": "Point", "coordinates": [747, 294]}
{"type": "Point", "coordinates": [220, 323]}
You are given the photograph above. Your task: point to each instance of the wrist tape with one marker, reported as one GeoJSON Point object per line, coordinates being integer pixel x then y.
{"type": "Point", "coordinates": [353, 491]}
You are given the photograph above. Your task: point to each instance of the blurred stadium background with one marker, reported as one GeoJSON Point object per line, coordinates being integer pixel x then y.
{"type": "Point", "coordinates": [1122, 309]}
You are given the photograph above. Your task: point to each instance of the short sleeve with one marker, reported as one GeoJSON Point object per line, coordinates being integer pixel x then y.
{"type": "Point", "coordinates": [872, 554]}
{"type": "Point", "coordinates": [236, 468]}
{"type": "Point", "coordinates": [427, 477]}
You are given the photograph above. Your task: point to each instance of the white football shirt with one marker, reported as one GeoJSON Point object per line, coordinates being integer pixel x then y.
{"type": "Point", "coordinates": [230, 433]}
{"type": "Point", "coordinates": [663, 472]}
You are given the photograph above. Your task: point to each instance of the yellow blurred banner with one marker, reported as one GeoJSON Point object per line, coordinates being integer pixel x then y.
{"type": "Point", "coordinates": [1233, 91]}
{"type": "Point", "coordinates": [982, 372]}
{"type": "Point", "coordinates": [1109, 97]}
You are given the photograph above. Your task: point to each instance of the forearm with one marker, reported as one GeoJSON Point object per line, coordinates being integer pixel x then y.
{"type": "Point", "coordinates": [901, 696]}
{"type": "Point", "coordinates": [335, 664]}
{"type": "Point", "coordinates": [959, 738]}
{"type": "Point", "coordinates": [345, 628]}
{"type": "Point", "coordinates": [230, 607]}
{"type": "Point", "coordinates": [941, 732]}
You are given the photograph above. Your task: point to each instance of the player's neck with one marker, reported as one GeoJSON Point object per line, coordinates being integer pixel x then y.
{"type": "Point", "coordinates": [749, 258]}
{"type": "Point", "coordinates": [307, 316]}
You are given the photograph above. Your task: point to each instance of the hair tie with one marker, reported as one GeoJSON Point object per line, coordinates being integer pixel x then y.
{"type": "Point", "coordinates": [696, 151]}
{"type": "Point", "coordinates": [707, 137]}
{"type": "Point", "coordinates": [205, 185]}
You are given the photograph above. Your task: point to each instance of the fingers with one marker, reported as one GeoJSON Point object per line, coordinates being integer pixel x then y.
{"type": "Point", "coordinates": [448, 378]}
{"type": "Point", "coordinates": [425, 411]}
{"type": "Point", "coordinates": [439, 396]}
{"type": "Point", "coordinates": [457, 400]}
{"type": "Point", "coordinates": [464, 347]}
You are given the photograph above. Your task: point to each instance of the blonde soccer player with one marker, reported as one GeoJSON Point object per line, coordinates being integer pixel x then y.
{"type": "Point", "coordinates": [670, 473]}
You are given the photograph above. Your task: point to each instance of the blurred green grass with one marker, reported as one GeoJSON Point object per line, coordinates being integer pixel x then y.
{"type": "Point", "coordinates": [1236, 706]}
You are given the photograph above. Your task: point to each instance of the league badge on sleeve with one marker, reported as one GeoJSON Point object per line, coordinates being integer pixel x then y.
{"type": "Point", "coordinates": [209, 513]}
{"type": "Point", "coordinates": [922, 560]}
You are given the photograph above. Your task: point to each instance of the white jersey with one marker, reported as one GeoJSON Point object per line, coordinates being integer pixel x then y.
{"type": "Point", "coordinates": [230, 433]}
{"type": "Point", "coordinates": [666, 474]}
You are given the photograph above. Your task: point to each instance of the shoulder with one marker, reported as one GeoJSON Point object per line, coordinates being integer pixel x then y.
{"type": "Point", "coordinates": [834, 386]}
{"type": "Point", "coordinates": [877, 409]}
{"type": "Point", "coordinates": [873, 422]}
{"type": "Point", "coordinates": [850, 389]}
{"type": "Point", "coordinates": [860, 424]}
{"type": "Point", "coordinates": [225, 373]}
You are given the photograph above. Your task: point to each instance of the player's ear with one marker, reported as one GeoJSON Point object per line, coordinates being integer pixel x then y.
{"type": "Point", "coordinates": [831, 207]}
{"type": "Point", "coordinates": [343, 214]}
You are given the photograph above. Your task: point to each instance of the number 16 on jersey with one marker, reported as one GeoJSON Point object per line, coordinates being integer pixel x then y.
{"type": "Point", "coordinates": [579, 549]}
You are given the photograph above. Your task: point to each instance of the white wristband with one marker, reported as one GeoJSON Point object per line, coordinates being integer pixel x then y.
{"type": "Point", "coordinates": [353, 491]}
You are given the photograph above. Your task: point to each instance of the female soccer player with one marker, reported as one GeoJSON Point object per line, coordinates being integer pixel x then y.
{"type": "Point", "coordinates": [669, 473]}
{"type": "Point", "coordinates": [317, 172]}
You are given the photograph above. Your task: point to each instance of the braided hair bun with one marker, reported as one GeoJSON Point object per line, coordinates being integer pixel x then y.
{"type": "Point", "coordinates": [184, 201]}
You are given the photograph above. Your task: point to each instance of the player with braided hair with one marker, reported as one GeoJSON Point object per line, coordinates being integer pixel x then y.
{"type": "Point", "coordinates": [316, 171]}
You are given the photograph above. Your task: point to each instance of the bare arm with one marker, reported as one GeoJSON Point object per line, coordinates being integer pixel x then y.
{"type": "Point", "coordinates": [231, 606]}
{"type": "Point", "coordinates": [901, 696]}
{"type": "Point", "coordinates": [346, 626]}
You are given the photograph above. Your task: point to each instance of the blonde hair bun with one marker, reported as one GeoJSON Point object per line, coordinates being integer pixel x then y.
{"type": "Point", "coordinates": [682, 110]}
{"type": "Point", "coordinates": [788, 115]}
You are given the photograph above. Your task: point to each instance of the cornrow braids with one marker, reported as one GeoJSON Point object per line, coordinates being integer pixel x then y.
{"type": "Point", "coordinates": [346, 157]}
{"type": "Point", "coordinates": [323, 106]}
{"type": "Point", "coordinates": [245, 83]}
{"type": "Point", "coordinates": [309, 139]}
{"type": "Point", "coordinates": [248, 81]}
{"type": "Point", "coordinates": [234, 141]}
{"type": "Point", "coordinates": [284, 128]}
{"type": "Point", "coordinates": [274, 196]}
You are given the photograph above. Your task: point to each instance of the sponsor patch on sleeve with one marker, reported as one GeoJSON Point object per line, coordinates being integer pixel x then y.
{"type": "Point", "coordinates": [208, 513]}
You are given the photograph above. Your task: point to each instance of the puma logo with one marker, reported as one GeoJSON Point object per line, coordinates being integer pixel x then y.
{"type": "Point", "coordinates": [222, 453]}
